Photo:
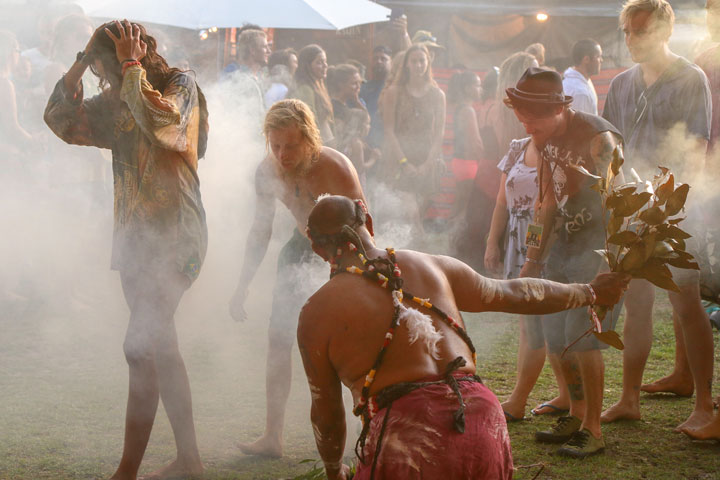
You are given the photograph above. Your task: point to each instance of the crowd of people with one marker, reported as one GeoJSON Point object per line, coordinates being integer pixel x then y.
{"type": "Point", "coordinates": [523, 229]}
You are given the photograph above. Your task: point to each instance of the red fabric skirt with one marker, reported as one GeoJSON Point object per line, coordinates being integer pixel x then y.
{"type": "Point", "coordinates": [420, 442]}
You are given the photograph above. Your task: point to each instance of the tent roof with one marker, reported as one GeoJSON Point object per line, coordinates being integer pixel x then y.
{"type": "Point", "coordinates": [561, 8]}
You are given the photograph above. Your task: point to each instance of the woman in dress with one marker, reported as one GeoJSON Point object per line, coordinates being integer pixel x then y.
{"type": "Point", "coordinates": [414, 120]}
{"type": "Point", "coordinates": [514, 211]}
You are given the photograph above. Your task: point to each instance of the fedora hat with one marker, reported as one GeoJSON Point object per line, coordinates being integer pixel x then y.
{"type": "Point", "coordinates": [538, 86]}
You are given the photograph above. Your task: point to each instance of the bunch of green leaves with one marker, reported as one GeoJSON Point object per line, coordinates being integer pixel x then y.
{"type": "Point", "coordinates": [642, 237]}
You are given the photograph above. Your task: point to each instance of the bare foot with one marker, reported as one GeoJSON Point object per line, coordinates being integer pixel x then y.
{"type": "Point", "coordinates": [515, 411]}
{"type": "Point", "coordinates": [176, 471]}
{"type": "Point", "coordinates": [710, 431]}
{"type": "Point", "coordinates": [264, 446]}
{"type": "Point", "coordinates": [695, 421]}
{"type": "Point", "coordinates": [620, 411]}
{"type": "Point", "coordinates": [678, 384]}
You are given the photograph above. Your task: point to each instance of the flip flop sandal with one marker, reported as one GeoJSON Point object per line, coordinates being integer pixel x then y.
{"type": "Point", "coordinates": [553, 410]}
{"type": "Point", "coordinates": [510, 418]}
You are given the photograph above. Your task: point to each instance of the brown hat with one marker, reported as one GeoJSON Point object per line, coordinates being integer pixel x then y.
{"type": "Point", "coordinates": [538, 86]}
{"type": "Point", "coordinates": [425, 37]}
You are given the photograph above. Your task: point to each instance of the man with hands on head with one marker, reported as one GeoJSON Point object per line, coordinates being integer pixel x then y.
{"type": "Point", "coordinates": [154, 120]}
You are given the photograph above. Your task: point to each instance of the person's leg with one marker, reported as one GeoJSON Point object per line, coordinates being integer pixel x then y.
{"type": "Point", "coordinates": [699, 347]}
{"type": "Point", "coordinates": [143, 391]}
{"type": "Point", "coordinates": [277, 389]}
{"type": "Point", "coordinates": [529, 365]}
{"type": "Point", "coordinates": [175, 390]}
{"type": "Point", "coordinates": [156, 368]}
{"type": "Point", "coordinates": [572, 373]}
{"type": "Point", "coordinates": [592, 372]}
{"type": "Point", "coordinates": [680, 381]}
{"type": "Point", "coordinates": [288, 297]}
{"type": "Point", "coordinates": [561, 403]}
{"type": "Point", "coordinates": [637, 334]}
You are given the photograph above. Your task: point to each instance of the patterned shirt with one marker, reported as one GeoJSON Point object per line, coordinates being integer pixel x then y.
{"type": "Point", "coordinates": [159, 217]}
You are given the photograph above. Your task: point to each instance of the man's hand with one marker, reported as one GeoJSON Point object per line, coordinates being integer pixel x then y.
{"type": "Point", "coordinates": [531, 269]}
{"type": "Point", "coordinates": [128, 46]}
{"type": "Point", "coordinates": [237, 304]}
{"type": "Point", "coordinates": [609, 287]}
{"type": "Point", "coordinates": [342, 474]}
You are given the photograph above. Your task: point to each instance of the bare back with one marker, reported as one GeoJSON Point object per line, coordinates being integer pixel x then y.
{"type": "Point", "coordinates": [352, 314]}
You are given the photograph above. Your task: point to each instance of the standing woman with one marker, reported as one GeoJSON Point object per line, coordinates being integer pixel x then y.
{"type": "Point", "coordinates": [154, 120]}
{"type": "Point", "coordinates": [310, 88]}
{"type": "Point", "coordinates": [414, 119]}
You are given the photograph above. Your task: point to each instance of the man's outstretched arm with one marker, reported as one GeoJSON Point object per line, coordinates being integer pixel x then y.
{"type": "Point", "coordinates": [475, 293]}
{"type": "Point", "coordinates": [327, 412]}
{"type": "Point", "coordinates": [257, 242]}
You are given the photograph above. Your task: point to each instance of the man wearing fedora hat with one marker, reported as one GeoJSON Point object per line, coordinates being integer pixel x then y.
{"type": "Point", "coordinates": [567, 228]}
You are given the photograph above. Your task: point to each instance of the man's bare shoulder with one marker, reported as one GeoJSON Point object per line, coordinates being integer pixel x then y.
{"type": "Point", "coordinates": [331, 158]}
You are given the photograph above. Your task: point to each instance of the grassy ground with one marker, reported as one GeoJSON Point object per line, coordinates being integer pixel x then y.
{"type": "Point", "coordinates": [63, 387]}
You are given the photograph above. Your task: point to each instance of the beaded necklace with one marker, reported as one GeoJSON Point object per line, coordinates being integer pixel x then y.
{"type": "Point", "coordinates": [394, 281]}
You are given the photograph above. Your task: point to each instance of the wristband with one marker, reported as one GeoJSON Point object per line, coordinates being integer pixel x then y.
{"type": "Point", "coordinates": [403, 160]}
{"type": "Point", "coordinates": [592, 294]}
{"type": "Point", "coordinates": [129, 63]}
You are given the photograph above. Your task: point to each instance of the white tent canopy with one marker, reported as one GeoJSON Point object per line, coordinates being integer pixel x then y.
{"type": "Point", "coordinates": [199, 14]}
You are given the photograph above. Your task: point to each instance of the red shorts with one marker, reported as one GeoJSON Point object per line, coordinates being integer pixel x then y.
{"type": "Point", "coordinates": [420, 442]}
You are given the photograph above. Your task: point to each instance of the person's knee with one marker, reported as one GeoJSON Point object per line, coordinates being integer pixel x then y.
{"type": "Point", "coordinates": [138, 351]}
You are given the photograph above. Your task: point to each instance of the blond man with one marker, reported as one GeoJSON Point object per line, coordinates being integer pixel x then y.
{"type": "Point", "coordinates": [662, 108]}
{"type": "Point", "coordinates": [296, 171]}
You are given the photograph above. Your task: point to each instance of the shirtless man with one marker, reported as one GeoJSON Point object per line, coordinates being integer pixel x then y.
{"type": "Point", "coordinates": [296, 172]}
{"type": "Point", "coordinates": [425, 432]}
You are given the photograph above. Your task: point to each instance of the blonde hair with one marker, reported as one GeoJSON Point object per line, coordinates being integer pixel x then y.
{"type": "Point", "coordinates": [247, 40]}
{"type": "Point", "coordinates": [290, 112]}
{"type": "Point", "coordinates": [660, 10]}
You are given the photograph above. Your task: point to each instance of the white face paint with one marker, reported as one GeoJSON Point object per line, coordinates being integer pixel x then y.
{"type": "Point", "coordinates": [533, 290]}
{"type": "Point", "coordinates": [491, 290]}
{"type": "Point", "coordinates": [315, 392]}
{"type": "Point", "coordinates": [577, 298]}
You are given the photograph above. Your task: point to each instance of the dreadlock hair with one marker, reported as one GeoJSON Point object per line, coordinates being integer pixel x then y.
{"type": "Point", "coordinates": [157, 72]}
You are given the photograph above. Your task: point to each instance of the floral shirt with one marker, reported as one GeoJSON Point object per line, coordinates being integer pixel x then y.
{"type": "Point", "coordinates": [154, 136]}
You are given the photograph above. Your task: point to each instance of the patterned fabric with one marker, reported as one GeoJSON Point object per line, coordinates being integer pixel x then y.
{"type": "Point", "coordinates": [414, 124]}
{"type": "Point", "coordinates": [159, 217]}
{"type": "Point", "coordinates": [521, 189]}
{"type": "Point", "coordinates": [420, 441]}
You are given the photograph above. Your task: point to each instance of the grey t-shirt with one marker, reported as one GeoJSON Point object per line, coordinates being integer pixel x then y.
{"type": "Point", "coordinates": [678, 111]}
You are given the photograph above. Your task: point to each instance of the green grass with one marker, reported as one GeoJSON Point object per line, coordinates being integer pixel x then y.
{"type": "Point", "coordinates": [63, 384]}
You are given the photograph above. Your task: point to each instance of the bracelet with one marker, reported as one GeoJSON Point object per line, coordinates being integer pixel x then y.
{"type": "Point", "coordinates": [403, 160]}
{"type": "Point", "coordinates": [532, 260]}
{"type": "Point", "coordinates": [592, 293]}
{"type": "Point", "coordinates": [126, 64]}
